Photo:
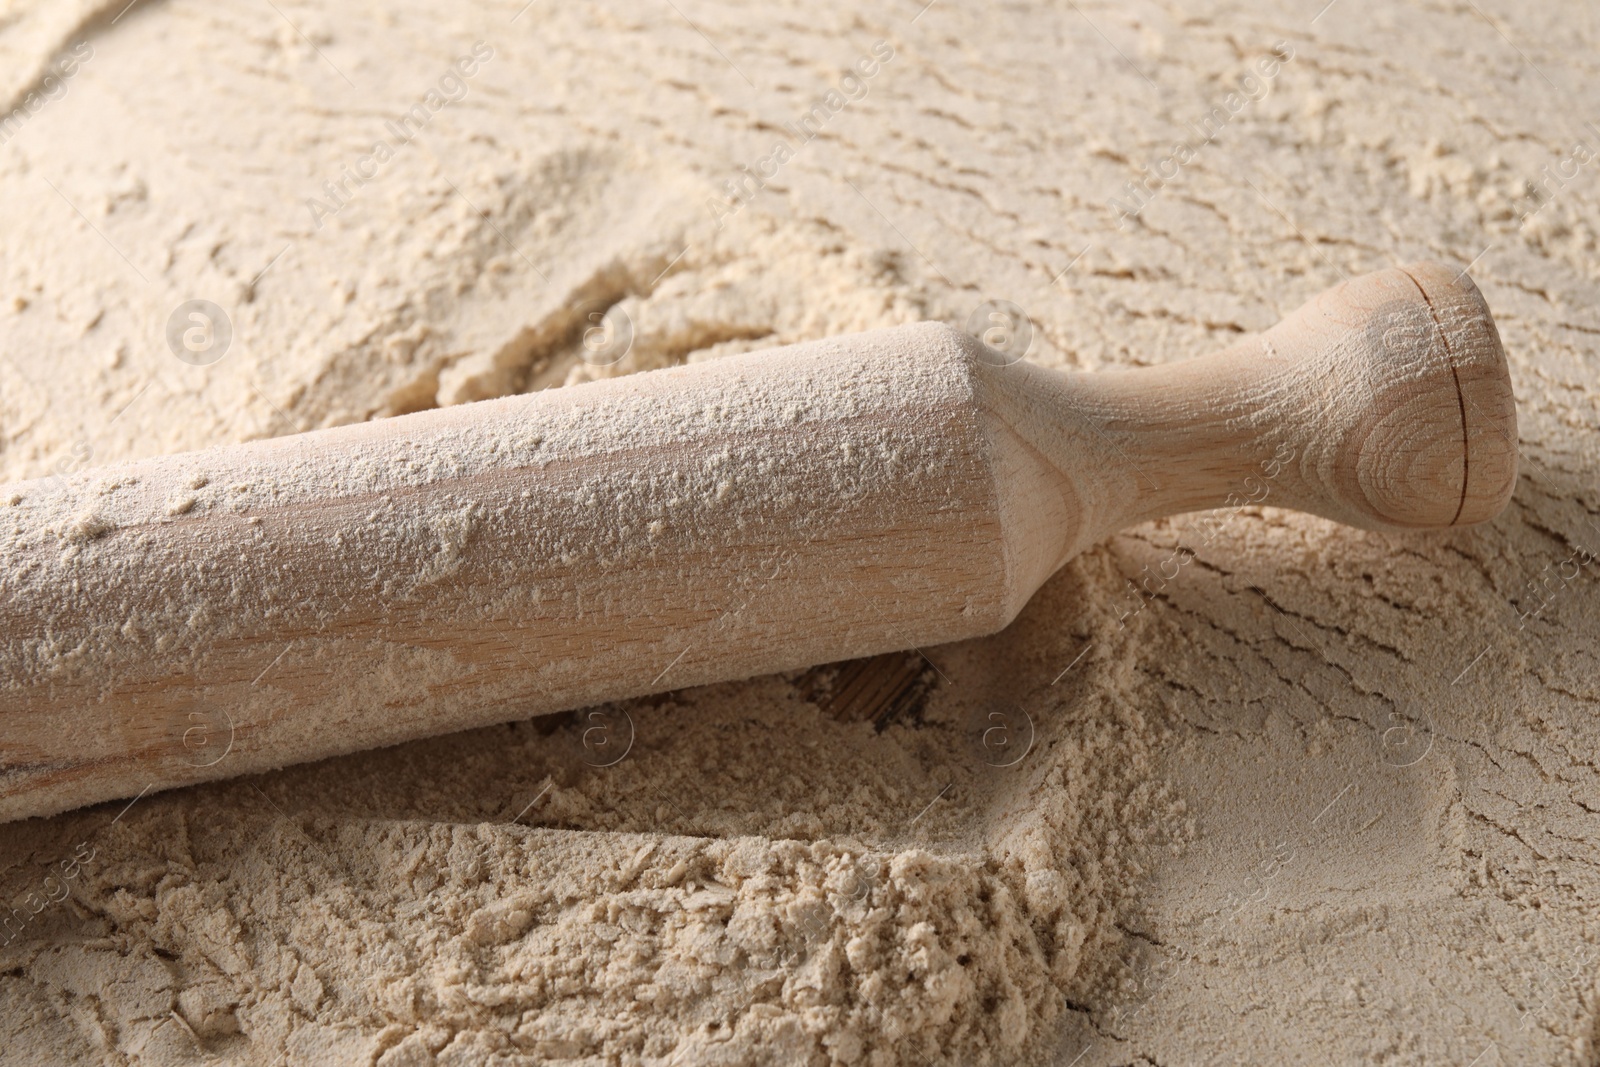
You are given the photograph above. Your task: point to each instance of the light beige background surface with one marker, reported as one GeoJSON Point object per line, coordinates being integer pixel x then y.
{"type": "Point", "coordinates": [1328, 797]}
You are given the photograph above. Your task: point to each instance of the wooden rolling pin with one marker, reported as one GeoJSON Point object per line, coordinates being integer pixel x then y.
{"type": "Point", "coordinates": [241, 608]}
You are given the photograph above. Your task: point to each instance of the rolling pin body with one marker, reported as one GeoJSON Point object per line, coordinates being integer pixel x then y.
{"type": "Point", "coordinates": [214, 613]}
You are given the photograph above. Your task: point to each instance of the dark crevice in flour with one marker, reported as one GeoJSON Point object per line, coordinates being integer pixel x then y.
{"type": "Point", "coordinates": [891, 688]}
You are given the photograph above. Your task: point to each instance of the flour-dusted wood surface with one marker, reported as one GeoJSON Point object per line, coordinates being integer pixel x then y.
{"type": "Point", "coordinates": [1295, 792]}
{"type": "Point", "coordinates": [837, 500]}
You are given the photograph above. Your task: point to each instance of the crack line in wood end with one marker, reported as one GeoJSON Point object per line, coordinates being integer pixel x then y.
{"type": "Point", "coordinates": [1461, 398]}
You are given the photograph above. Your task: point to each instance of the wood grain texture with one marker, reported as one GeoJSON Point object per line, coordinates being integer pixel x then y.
{"type": "Point", "coordinates": [228, 611]}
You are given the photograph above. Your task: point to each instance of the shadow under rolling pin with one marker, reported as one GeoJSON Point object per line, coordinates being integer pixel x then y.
{"type": "Point", "coordinates": [361, 586]}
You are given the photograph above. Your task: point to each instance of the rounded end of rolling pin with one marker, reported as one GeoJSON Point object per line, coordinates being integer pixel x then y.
{"type": "Point", "coordinates": [1435, 444]}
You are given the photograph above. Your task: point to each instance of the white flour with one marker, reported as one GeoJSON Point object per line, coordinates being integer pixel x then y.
{"type": "Point", "coordinates": [1279, 814]}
